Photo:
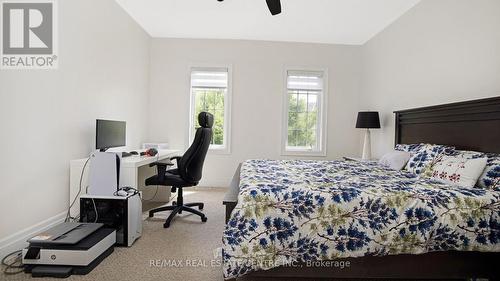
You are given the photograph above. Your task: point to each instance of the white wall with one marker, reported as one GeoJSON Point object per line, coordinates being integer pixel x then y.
{"type": "Point", "coordinates": [258, 89]}
{"type": "Point", "coordinates": [47, 117]}
{"type": "Point", "coordinates": [440, 51]}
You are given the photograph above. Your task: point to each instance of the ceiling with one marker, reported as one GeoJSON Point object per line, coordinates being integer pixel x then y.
{"type": "Point", "coordinates": [351, 22]}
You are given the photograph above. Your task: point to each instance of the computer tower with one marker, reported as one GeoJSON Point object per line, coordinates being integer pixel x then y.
{"type": "Point", "coordinates": [104, 173]}
{"type": "Point", "coordinates": [124, 214]}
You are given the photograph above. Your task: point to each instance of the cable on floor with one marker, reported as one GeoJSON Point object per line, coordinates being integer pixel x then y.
{"type": "Point", "coordinates": [12, 262]}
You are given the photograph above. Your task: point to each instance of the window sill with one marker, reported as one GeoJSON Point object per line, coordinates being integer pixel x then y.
{"type": "Point", "coordinates": [219, 151]}
{"type": "Point", "coordinates": [303, 153]}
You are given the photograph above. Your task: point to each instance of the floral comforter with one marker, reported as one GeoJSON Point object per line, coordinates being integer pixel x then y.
{"type": "Point", "coordinates": [300, 210]}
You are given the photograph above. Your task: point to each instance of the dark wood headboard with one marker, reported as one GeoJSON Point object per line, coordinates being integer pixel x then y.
{"type": "Point", "coordinates": [470, 125]}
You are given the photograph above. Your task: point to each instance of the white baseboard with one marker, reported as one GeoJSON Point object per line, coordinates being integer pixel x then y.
{"type": "Point", "coordinates": [220, 182]}
{"type": "Point", "coordinates": [17, 240]}
{"type": "Point", "coordinates": [205, 188]}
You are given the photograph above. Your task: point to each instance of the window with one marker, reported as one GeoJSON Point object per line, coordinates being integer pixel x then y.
{"type": "Point", "coordinates": [210, 92]}
{"type": "Point", "coordinates": [305, 114]}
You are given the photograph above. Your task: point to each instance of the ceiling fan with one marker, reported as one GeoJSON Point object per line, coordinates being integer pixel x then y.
{"type": "Point", "coordinates": [273, 5]}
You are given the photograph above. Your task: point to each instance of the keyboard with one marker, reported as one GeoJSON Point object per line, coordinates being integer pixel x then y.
{"type": "Point", "coordinates": [126, 154]}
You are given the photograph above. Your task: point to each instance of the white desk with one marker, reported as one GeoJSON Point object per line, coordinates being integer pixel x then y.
{"type": "Point", "coordinates": [134, 170]}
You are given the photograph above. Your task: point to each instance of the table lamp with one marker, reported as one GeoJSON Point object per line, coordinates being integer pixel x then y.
{"type": "Point", "coordinates": [367, 120]}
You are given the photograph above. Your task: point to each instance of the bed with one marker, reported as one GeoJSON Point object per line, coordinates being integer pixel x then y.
{"type": "Point", "coordinates": [364, 221]}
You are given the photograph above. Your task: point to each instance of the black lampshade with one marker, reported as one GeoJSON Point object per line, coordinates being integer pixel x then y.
{"type": "Point", "coordinates": [368, 120]}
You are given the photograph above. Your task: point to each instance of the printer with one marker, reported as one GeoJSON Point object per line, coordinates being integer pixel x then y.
{"type": "Point", "coordinates": [68, 248]}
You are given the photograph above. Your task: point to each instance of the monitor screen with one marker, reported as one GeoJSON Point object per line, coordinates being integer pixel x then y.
{"type": "Point", "coordinates": [110, 134]}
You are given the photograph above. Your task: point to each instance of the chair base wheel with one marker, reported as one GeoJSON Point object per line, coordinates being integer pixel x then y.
{"type": "Point", "coordinates": [178, 207]}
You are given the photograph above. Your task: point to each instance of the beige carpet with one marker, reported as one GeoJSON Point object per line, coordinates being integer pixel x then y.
{"type": "Point", "coordinates": [188, 241]}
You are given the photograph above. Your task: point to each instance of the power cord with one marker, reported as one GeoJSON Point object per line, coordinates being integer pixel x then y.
{"type": "Point", "coordinates": [68, 214]}
{"type": "Point", "coordinates": [154, 196]}
{"type": "Point", "coordinates": [127, 189]}
{"type": "Point", "coordinates": [95, 210]}
{"type": "Point", "coordinates": [16, 256]}
{"type": "Point", "coordinates": [13, 265]}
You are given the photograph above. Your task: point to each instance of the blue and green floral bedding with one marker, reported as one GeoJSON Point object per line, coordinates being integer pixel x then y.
{"type": "Point", "coordinates": [300, 210]}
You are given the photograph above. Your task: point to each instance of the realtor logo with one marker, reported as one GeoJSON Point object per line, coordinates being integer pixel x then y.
{"type": "Point", "coordinates": [29, 35]}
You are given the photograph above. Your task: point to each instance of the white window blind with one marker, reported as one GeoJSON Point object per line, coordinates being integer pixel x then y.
{"type": "Point", "coordinates": [209, 78]}
{"type": "Point", "coordinates": [305, 80]}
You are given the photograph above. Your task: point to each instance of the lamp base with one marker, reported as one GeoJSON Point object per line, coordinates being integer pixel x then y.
{"type": "Point", "coordinates": [367, 151]}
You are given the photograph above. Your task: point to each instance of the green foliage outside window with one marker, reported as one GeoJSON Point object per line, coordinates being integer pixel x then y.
{"type": "Point", "coordinates": [212, 101]}
{"type": "Point", "coordinates": [302, 119]}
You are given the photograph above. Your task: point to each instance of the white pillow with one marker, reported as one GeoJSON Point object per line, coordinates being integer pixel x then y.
{"type": "Point", "coordinates": [395, 160]}
{"type": "Point", "coordinates": [460, 171]}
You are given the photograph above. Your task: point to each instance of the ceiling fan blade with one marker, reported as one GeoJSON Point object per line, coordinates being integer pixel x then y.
{"type": "Point", "coordinates": [274, 6]}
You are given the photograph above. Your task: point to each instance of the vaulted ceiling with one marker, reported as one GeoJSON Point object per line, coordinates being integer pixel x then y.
{"type": "Point", "coordinates": [350, 22]}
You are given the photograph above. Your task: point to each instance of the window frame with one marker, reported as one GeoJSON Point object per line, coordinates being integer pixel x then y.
{"type": "Point", "coordinates": [322, 116]}
{"type": "Point", "coordinates": [216, 149]}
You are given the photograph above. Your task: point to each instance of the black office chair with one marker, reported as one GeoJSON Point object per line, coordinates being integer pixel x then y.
{"type": "Point", "coordinates": [188, 172]}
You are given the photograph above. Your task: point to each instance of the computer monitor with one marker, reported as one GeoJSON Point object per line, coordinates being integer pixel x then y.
{"type": "Point", "coordinates": [109, 134]}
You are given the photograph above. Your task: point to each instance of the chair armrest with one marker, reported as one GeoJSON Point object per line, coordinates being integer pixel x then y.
{"type": "Point", "coordinates": [160, 164]}
{"type": "Point", "coordinates": [162, 169]}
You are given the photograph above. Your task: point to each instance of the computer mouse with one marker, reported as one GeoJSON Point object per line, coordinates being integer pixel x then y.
{"type": "Point", "coordinates": [134, 152]}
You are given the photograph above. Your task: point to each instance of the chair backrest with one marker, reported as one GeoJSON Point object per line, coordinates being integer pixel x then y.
{"type": "Point", "coordinates": [191, 163]}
